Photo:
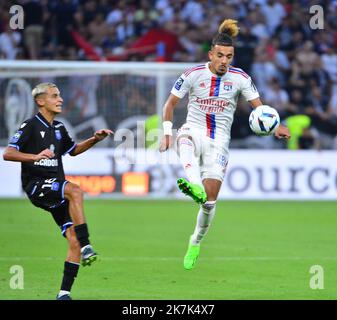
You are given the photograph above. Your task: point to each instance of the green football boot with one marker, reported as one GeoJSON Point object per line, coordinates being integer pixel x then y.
{"type": "Point", "coordinates": [195, 191]}
{"type": "Point", "coordinates": [191, 256]}
{"type": "Point", "coordinates": [88, 255]}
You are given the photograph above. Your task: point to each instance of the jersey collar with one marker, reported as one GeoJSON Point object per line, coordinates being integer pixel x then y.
{"type": "Point", "coordinates": [43, 120]}
{"type": "Point", "coordinates": [214, 74]}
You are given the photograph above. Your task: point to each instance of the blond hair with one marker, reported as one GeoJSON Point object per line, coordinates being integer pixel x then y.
{"type": "Point", "coordinates": [229, 27]}
{"type": "Point", "coordinates": [42, 88]}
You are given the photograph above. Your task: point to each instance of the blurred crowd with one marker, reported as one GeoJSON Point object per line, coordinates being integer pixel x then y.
{"type": "Point", "coordinates": [293, 64]}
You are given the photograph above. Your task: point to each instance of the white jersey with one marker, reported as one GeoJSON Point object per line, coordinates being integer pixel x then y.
{"type": "Point", "coordinates": [213, 99]}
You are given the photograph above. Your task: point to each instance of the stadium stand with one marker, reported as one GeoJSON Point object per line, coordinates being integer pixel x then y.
{"type": "Point", "coordinates": [293, 65]}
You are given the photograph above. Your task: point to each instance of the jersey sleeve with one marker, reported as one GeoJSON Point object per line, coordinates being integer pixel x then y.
{"type": "Point", "coordinates": [21, 136]}
{"type": "Point", "coordinates": [181, 86]}
{"type": "Point", "coordinates": [249, 90]}
{"type": "Point", "coordinates": [68, 144]}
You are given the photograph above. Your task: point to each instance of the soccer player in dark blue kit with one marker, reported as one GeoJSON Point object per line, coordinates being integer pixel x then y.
{"type": "Point", "coordinates": [39, 145]}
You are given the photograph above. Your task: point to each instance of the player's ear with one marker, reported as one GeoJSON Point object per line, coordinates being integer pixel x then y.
{"type": "Point", "coordinates": [210, 54]}
{"type": "Point", "coordinates": [39, 101]}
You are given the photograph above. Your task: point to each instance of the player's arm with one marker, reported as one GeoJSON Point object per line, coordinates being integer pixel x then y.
{"type": "Point", "coordinates": [281, 131]}
{"type": "Point", "coordinates": [87, 144]}
{"type": "Point", "coordinates": [168, 110]}
{"type": "Point", "coordinates": [19, 142]}
{"type": "Point", "coordinates": [12, 154]}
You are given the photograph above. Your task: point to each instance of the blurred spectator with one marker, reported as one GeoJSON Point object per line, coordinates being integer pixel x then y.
{"type": "Point", "coordinates": [279, 99]}
{"type": "Point", "coordinates": [263, 71]}
{"type": "Point", "coordinates": [273, 12]}
{"type": "Point", "coordinates": [297, 101]}
{"type": "Point", "coordinates": [308, 140]}
{"type": "Point", "coordinates": [321, 119]}
{"type": "Point", "coordinates": [258, 27]}
{"type": "Point", "coordinates": [145, 18]}
{"type": "Point", "coordinates": [63, 21]}
{"type": "Point", "coordinates": [245, 45]}
{"type": "Point", "coordinates": [9, 44]}
{"type": "Point", "coordinates": [286, 30]}
{"type": "Point", "coordinates": [193, 12]}
{"type": "Point", "coordinates": [116, 14]}
{"type": "Point", "coordinates": [303, 136]}
{"type": "Point", "coordinates": [33, 31]}
{"type": "Point", "coordinates": [293, 66]}
{"type": "Point", "coordinates": [306, 56]}
{"type": "Point", "coordinates": [329, 62]}
{"type": "Point", "coordinates": [98, 29]}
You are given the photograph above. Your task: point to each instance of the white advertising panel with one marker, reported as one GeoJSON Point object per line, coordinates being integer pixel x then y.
{"type": "Point", "coordinates": [251, 174]}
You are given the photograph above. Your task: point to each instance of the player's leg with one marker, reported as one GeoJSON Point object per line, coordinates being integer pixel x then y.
{"type": "Point", "coordinates": [207, 210]}
{"type": "Point", "coordinates": [188, 158]}
{"type": "Point", "coordinates": [190, 161]}
{"type": "Point", "coordinates": [213, 167]}
{"type": "Point", "coordinates": [62, 218]}
{"type": "Point", "coordinates": [74, 195]}
{"type": "Point", "coordinates": [204, 218]}
{"type": "Point", "coordinates": [71, 265]}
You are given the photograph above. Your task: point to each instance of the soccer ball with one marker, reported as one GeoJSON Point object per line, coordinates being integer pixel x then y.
{"type": "Point", "coordinates": [264, 120]}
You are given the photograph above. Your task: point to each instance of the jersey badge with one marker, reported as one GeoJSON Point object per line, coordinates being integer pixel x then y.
{"type": "Point", "coordinates": [58, 134]}
{"type": "Point", "coordinates": [16, 137]}
{"type": "Point", "coordinates": [42, 133]}
{"type": "Point", "coordinates": [228, 86]}
{"type": "Point", "coordinates": [179, 83]}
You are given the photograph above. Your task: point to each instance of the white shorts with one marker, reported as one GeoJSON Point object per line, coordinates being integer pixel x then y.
{"type": "Point", "coordinates": [213, 154]}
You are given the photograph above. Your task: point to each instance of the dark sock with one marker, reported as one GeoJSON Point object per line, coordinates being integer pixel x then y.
{"type": "Point", "coordinates": [69, 274]}
{"type": "Point", "coordinates": [82, 234]}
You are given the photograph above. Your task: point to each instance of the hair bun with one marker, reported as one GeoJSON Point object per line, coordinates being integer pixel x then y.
{"type": "Point", "coordinates": [229, 27]}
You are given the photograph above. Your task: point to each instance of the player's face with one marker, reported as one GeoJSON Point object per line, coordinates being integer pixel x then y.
{"type": "Point", "coordinates": [221, 57]}
{"type": "Point", "coordinates": [52, 100]}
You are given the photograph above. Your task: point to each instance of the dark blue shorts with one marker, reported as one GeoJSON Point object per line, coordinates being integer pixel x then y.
{"type": "Point", "coordinates": [48, 194]}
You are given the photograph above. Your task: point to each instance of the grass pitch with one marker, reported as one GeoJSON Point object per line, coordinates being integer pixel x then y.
{"type": "Point", "coordinates": [254, 250]}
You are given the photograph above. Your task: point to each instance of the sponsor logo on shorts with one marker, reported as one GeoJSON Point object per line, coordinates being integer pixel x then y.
{"type": "Point", "coordinates": [221, 159]}
{"type": "Point", "coordinates": [55, 186]}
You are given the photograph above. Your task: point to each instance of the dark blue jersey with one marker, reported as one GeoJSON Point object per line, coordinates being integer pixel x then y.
{"type": "Point", "coordinates": [35, 135]}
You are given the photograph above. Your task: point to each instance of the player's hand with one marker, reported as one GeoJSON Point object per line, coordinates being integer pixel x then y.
{"type": "Point", "coordinates": [102, 134]}
{"type": "Point", "coordinates": [165, 143]}
{"type": "Point", "coordinates": [45, 154]}
{"type": "Point", "coordinates": [282, 132]}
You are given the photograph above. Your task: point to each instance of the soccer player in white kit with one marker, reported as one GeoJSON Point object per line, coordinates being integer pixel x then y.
{"type": "Point", "coordinates": [203, 141]}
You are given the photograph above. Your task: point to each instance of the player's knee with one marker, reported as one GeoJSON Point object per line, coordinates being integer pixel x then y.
{"type": "Point", "coordinates": [75, 192]}
{"type": "Point", "coordinates": [186, 143]}
{"type": "Point", "coordinates": [185, 140]}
